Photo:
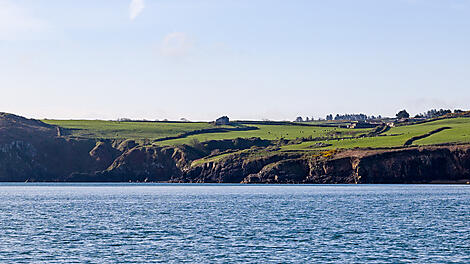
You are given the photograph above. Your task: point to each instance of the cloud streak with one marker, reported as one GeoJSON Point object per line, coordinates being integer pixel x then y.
{"type": "Point", "coordinates": [135, 8]}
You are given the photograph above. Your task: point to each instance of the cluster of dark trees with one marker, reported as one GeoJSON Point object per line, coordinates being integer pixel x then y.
{"type": "Point", "coordinates": [436, 113]}
{"type": "Point", "coordinates": [429, 114]}
{"type": "Point", "coordinates": [301, 119]}
{"type": "Point", "coordinates": [402, 114]}
{"type": "Point", "coordinates": [124, 119]}
{"type": "Point", "coordinates": [353, 117]}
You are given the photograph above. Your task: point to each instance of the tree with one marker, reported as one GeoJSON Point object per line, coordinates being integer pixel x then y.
{"type": "Point", "coordinates": [352, 117]}
{"type": "Point", "coordinates": [403, 114]}
{"type": "Point", "coordinates": [299, 119]}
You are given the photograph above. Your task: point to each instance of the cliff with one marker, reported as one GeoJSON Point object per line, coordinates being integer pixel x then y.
{"type": "Point", "coordinates": [33, 151]}
{"type": "Point", "coordinates": [445, 164]}
{"type": "Point", "coordinates": [408, 165]}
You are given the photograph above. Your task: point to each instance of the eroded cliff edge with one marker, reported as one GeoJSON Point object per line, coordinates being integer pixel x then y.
{"type": "Point", "coordinates": [33, 151]}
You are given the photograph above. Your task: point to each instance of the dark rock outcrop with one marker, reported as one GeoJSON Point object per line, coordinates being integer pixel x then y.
{"type": "Point", "coordinates": [285, 171]}
{"type": "Point", "coordinates": [31, 150]}
{"type": "Point", "coordinates": [419, 165]}
{"type": "Point", "coordinates": [139, 164]}
{"type": "Point", "coordinates": [229, 170]}
{"type": "Point", "coordinates": [416, 165]}
{"type": "Point", "coordinates": [104, 154]}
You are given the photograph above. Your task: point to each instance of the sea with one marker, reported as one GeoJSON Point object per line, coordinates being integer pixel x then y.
{"type": "Point", "coordinates": [224, 223]}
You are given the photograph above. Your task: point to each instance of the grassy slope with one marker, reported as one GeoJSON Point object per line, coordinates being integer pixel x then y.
{"type": "Point", "coordinates": [397, 136]}
{"type": "Point", "coordinates": [459, 132]}
{"type": "Point", "coordinates": [272, 132]}
{"type": "Point", "coordinates": [128, 130]}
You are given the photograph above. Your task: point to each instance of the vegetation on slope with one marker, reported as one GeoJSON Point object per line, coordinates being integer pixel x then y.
{"type": "Point", "coordinates": [125, 130]}
{"type": "Point", "coordinates": [458, 132]}
{"type": "Point", "coordinates": [275, 132]}
{"type": "Point", "coordinates": [233, 152]}
{"type": "Point", "coordinates": [283, 136]}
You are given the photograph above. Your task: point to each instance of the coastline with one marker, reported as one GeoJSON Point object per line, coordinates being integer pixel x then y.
{"type": "Point", "coordinates": [32, 151]}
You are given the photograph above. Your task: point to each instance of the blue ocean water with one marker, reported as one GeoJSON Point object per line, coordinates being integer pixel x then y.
{"type": "Point", "coordinates": [152, 223]}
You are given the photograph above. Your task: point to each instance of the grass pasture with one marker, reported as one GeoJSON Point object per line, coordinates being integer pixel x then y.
{"type": "Point", "coordinates": [273, 132]}
{"type": "Point", "coordinates": [127, 130]}
{"type": "Point", "coordinates": [459, 132]}
{"type": "Point", "coordinates": [333, 137]}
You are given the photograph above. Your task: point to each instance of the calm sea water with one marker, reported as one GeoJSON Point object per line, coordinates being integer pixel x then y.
{"type": "Point", "coordinates": [145, 223]}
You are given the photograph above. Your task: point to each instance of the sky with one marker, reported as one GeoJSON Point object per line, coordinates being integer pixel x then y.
{"type": "Point", "coordinates": [248, 59]}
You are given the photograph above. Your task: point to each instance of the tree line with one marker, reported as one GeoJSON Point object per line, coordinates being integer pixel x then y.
{"type": "Point", "coordinates": [437, 113]}
{"type": "Point", "coordinates": [400, 115]}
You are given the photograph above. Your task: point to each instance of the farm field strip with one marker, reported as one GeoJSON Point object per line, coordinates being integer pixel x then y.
{"type": "Point", "coordinates": [126, 130]}
{"type": "Point", "coordinates": [459, 132]}
{"type": "Point", "coordinates": [273, 132]}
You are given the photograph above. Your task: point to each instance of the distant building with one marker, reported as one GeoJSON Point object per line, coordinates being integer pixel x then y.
{"type": "Point", "coordinates": [360, 124]}
{"type": "Point", "coordinates": [224, 120]}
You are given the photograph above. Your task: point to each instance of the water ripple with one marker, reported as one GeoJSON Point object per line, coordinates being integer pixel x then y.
{"type": "Point", "coordinates": [129, 223]}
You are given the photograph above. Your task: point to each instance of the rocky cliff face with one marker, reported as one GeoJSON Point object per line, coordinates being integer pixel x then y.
{"type": "Point", "coordinates": [419, 165]}
{"type": "Point", "coordinates": [415, 165]}
{"type": "Point", "coordinates": [33, 151]}
{"type": "Point", "coordinates": [230, 170]}
{"type": "Point", "coordinates": [139, 164]}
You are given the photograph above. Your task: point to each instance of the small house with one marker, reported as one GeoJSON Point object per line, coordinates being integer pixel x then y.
{"type": "Point", "coordinates": [224, 120]}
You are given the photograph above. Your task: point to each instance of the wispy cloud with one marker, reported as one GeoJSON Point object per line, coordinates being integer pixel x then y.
{"type": "Point", "coordinates": [17, 23]}
{"type": "Point", "coordinates": [135, 8]}
{"type": "Point", "coordinates": [176, 44]}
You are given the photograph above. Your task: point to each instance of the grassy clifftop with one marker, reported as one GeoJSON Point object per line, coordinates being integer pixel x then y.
{"type": "Point", "coordinates": [125, 130]}
{"type": "Point", "coordinates": [458, 132]}
{"type": "Point", "coordinates": [82, 150]}
{"type": "Point", "coordinates": [285, 137]}
{"type": "Point", "coordinates": [159, 130]}
{"type": "Point", "coordinates": [331, 137]}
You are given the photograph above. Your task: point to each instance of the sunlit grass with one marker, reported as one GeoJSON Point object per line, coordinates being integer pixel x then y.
{"type": "Point", "coordinates": [127, 130]}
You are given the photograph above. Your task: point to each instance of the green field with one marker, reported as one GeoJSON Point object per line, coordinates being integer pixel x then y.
{"type": "Point", "coordinates": [330, 137]}
{"type": "Point", "coordinates": [126, 130]}
{"type": "Point", "coordinates": [158, 130]}
{"type": "Point", "coordinates": [397, 136]}
{"type": "Point", "coordinates": [273, 132]}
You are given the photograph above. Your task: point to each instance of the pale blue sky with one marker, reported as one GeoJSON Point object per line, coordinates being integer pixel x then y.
{"type": "Point", "coordinates": [249, 59]}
